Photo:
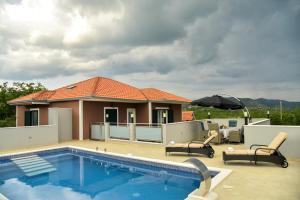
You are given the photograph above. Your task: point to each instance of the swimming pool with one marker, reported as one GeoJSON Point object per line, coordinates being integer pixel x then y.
{"type": "Point", "coordinates": [82, 175]}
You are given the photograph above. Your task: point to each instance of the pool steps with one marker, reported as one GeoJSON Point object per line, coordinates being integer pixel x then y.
{"type": "Point", "coordinates": [33, 165]}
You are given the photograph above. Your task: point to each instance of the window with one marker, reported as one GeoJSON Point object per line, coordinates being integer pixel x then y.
{"type": "Point", "coordinates": [111, 115]}
{"type": "Point", "coordinates": [32, 117]}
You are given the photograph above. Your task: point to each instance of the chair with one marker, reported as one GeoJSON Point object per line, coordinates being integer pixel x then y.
{"type": "Point", "coordinates": [263, 153]}
{"type": "Point", "coordinates": [203, 135]}
{"type": "Point", "coordinates": [215, 127]}
{"type": "Point", "coordinates": [235, 136]}
{"type": "Point", "coordinates": [232, 123]}
{"type": "Point", "coordinates": [193, 147]}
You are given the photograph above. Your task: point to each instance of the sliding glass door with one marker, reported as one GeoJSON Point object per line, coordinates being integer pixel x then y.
{"type": "Point", "coordinates": [32, 118]}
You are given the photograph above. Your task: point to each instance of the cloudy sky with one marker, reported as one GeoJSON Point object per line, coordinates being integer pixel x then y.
{"type": "Point", "coordinates": [193, 48]}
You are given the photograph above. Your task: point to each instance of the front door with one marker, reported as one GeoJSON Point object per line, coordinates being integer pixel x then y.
{"type": "Point", "coordinates": [131, 116]}
{"type": "Point", "coordinates": [111, 115]}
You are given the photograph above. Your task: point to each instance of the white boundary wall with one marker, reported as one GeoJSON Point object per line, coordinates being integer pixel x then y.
{"type": "Point", "coordinates": [27, 136]}
{"type": "Point", "coordinates": [180, 132]}
{"type": "Point", "coordinates": [259, 133]}
{"type": "Point", "coordinates": [224, 121]}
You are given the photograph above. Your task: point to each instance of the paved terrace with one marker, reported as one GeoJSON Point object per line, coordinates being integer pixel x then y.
{"type": "Point", "coordinates": [264, 181]}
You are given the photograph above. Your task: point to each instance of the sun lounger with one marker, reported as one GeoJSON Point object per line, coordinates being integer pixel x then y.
{"type": "Point", "coordinates": [194, 147]}
{"type": "Point", "coordinates": [263, 153]}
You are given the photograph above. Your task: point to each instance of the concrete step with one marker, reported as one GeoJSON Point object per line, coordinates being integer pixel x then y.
{"type": "Point", "coordinates": [37, 168]}
{"type": "Point", "coordinates": [35, 173]}
{"type": "Point", "coordinates": [33, 165]}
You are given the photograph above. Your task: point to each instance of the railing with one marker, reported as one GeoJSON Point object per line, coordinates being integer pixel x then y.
{"type": "Point", "coordinates": [120, 131]}
{"type": "Point", "coordinates": [97, 131]}
{"type": "Point", "coordinates": [133, 132]}
{"type": "Point", "coordinates": [149, 132]}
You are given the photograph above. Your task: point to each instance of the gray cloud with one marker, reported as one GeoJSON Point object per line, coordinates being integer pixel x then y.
{"type": "Point", "coordinates": [193, 48]}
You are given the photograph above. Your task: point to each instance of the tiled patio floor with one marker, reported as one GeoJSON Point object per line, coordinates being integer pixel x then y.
{"type": "Point", "coordinates": [264, 181]}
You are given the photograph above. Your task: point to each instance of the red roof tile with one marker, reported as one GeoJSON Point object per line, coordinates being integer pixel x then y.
{"type": "Point", "coordinates": [103, 88]}
{"type": "Point", "coordinates": [188, 116]}
{"type": "Point", "coordinates": [114, 89]}
{"type": "Point", "coordinates": [153, 94]}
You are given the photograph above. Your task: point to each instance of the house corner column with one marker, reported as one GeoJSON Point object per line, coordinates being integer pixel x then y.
{"type": "Point", "coordinates": [132, 136]}
{"type": "Point", "coordinates": [80, 119]}
{"type": "Point", "coordinates": [150, 112]}
{"type": "Point", "coordinates": [164, 134]}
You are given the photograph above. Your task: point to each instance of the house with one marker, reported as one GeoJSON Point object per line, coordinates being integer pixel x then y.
{"type": "Point", "coordinates": [100, 99]}
{"type": "Point", "coordinates": [188, 116]}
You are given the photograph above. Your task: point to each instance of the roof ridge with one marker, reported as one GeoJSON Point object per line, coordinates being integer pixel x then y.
{"type": "Point", "coordinates": [95, 86]}
{"type": "Point", "coordinates": [121, 82]}
{"type": "Point", "coordinates": [40, 93]}
{"type": "Point", "coordinates": [141, 90]}
{"type": "Point", "coordinates": [147, 88]}
{"type": "Point", "coordinates": [75, 83]}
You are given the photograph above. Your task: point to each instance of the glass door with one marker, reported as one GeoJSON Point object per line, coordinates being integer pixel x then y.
{"type": "Point", "coordinates": [131, 116]}
{"type": "Point", "coordinates": [162, 116]}
{"type": "Point", "coordinates": [35, 117]}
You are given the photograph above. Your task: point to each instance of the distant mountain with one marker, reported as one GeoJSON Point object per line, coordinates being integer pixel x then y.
{"type": "Point", "coordinates": [269, 103]}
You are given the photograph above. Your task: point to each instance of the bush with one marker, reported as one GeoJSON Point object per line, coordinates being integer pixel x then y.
{"type": "Point", "coordinates": [9, 122]}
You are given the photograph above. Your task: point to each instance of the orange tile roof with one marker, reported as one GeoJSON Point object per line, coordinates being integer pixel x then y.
{"type": "Point", "coordinates": [153, 94]}
{"type": "Point", "coordinates": [103, 88]}
{"type": "Point", "coordinates": [188, 116]}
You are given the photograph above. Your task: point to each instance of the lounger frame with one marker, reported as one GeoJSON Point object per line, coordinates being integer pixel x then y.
{"type": "Point", "coordinates": [205, 150]}
{"type": "Point", "coordinates": [276, 157]}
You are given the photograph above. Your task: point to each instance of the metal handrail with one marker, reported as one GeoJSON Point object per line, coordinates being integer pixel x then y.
{"type": "Point", "coordinates": [249, 116]}
{"type": "Point", "coordinates": [203, 171]}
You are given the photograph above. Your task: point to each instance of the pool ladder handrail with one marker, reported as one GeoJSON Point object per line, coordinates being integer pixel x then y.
{"type": "Point", "coordinates": [203, 171]}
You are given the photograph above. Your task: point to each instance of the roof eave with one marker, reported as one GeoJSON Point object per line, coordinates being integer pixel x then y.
{"type": "Point", "coordinates": [170, 101]}
{"type": "Point", "coordinates": [28, 102]}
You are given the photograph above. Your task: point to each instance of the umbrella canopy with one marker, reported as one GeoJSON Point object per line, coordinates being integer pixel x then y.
{"type": "Point", "coordinates": [217, 101]}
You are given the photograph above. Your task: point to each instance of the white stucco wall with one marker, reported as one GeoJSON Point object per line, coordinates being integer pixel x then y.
{"type": "Point", "coordinates": [63, 118]}
{"type": "Point", "coordinates": [29, 136]}
{"type": "Point", "coordinates": [264, 134]}
{"type": "Point", "coordinates": [261, 122]}
{"type": "Point", "coordinates": [224, 121]}
{"type": "Point", "coordinates": [181, 131]}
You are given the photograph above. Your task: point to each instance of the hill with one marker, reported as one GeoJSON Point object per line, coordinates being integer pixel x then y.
{"type": "Point", "coordinates": [269, 103]}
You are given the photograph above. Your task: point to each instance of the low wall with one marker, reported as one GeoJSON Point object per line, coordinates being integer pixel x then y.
{"type": "Point", "coordinates": [261, 122]}
{"type": "Point", "coordinates": [263, 134]}
{"type": "Point", "coordinates": [181, 131]}
{"type": "Point", "coordinates": [22, 137]}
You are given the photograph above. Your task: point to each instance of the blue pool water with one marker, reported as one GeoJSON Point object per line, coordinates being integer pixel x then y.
{"type": "Point", "coordinates": [80, 176]}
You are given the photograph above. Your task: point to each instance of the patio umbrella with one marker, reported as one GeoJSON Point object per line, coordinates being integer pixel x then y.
{"type": "Point", "coordinates": [217, 101]}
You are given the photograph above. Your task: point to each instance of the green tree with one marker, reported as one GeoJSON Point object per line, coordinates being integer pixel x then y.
{"type": "Point", "coordinates": [9, 92]}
